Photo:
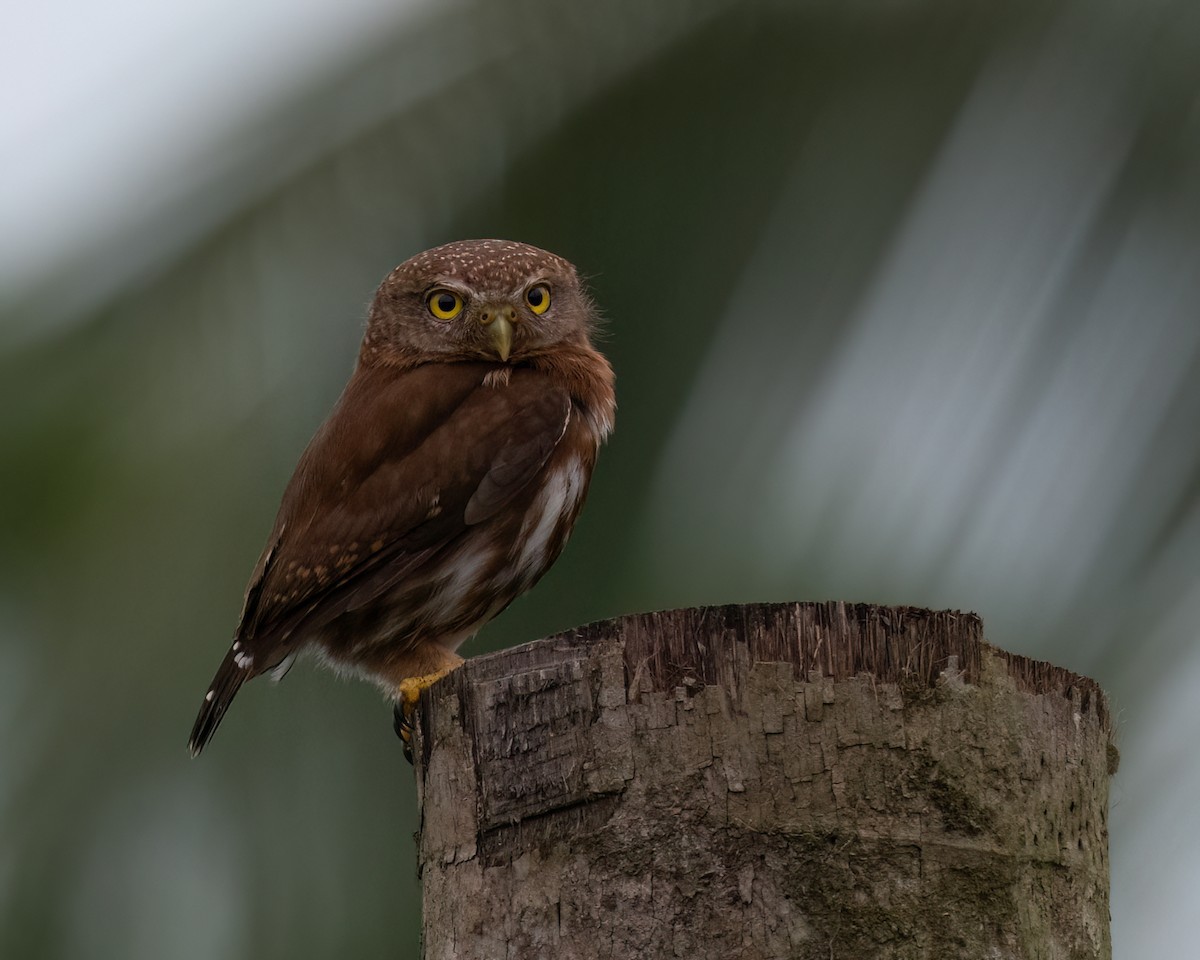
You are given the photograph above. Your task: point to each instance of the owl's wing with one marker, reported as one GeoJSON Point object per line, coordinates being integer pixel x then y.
{"type": "Point", "coordinates": [405, 464]}
{"type": "Point", "coordinates": [383, 486]}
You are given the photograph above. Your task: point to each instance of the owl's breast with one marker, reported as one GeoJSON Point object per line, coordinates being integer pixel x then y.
{"type": "Point", "coordinates": [480, 572]}
{"type": "Point", "coordinates": [497, 561]}
{"type": "Point", "coordinates": [549, 519]}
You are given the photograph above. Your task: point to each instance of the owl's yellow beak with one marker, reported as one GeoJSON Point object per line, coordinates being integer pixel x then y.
{"type": "Point", "coordinates": [498, 321]}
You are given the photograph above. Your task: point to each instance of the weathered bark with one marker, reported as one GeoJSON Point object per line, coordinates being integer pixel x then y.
{"type": "Point", "coordinates": [771, 781]}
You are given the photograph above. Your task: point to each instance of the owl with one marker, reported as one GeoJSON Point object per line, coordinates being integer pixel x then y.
{"type": "Point", "coordinates": [444, 483]}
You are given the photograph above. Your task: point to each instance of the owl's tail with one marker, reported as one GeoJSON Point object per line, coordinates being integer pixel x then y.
{"type": "Point", "coordinates": [221, 691]}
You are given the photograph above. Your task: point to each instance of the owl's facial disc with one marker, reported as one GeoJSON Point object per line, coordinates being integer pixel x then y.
{"type": "Point", "coordinates": [497, 320]}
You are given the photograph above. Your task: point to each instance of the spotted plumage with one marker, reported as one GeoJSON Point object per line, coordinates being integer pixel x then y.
{"type": "Point", "coordinates": [444, 483]}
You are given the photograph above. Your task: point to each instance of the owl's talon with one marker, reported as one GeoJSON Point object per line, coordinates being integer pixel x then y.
{"type": "Point", "coordinates": [404, 730]}
{"type": "Point", "coordinates": [410, 695]}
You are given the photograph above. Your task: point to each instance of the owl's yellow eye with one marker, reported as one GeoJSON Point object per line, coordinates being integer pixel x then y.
{"type": "Point", "coordinates": [445, 304]}
{"type": "Point", "coordinates": [538, 298]}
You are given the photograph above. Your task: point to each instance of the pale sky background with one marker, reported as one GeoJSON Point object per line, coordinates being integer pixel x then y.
{"type": "Point", "coordinates": [134, 106]}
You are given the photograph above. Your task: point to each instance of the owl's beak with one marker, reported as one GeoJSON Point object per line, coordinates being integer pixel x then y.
{"type": "Point", "coordinates": [498, 322]}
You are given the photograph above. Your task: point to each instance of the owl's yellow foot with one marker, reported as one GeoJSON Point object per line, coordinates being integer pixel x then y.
{"type": "Point", "coordinates": [411, 687]}
{"type": "Point", "coordinates": [410, 695]}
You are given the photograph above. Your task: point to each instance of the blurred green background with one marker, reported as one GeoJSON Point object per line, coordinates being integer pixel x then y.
{"type": "Point", "coordinates": [904, 302]}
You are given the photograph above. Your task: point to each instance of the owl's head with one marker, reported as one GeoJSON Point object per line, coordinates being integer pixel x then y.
{"type": "Point", "coordinates": [477, 300]}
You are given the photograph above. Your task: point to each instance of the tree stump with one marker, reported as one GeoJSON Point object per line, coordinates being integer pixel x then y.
{"type": "Point", "coordinates": [817, 780]}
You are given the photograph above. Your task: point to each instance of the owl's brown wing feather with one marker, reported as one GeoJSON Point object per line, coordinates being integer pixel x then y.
{"type": "Point", "coordinates": [391, 496]}
{"type": "Point", "coordinates": [404, 464]}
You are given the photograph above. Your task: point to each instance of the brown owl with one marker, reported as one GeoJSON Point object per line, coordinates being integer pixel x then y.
{"type": "Point", "coordinates": [444, 483]}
